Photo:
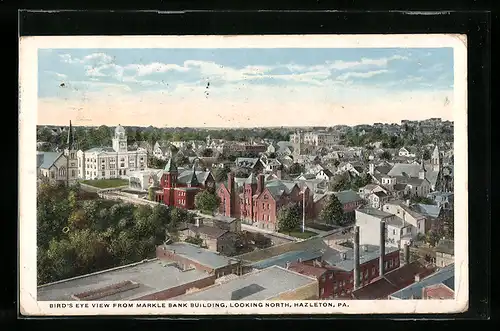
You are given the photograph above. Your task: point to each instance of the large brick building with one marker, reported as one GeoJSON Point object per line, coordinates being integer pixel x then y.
{"type": "Point", "coordinates": [258, 202]}
{"type": "Point", "coordinates": [179, 188]}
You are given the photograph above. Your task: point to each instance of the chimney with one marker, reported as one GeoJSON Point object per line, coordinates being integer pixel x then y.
{"type": "Point", "coordinates": [287, 265]}
{"type": "Point", "coordinates": [407, 254]}
{"type": "Point", "coordinates": [230, 182]}
{"type": "Point", "coordinates": [260, 183]}
{"type": "Point", "coordinates": [382, 248]}
{"type": "Point", "coordinates": [417, 278]}
{"type": "Point", "coordinates": [356, 258]}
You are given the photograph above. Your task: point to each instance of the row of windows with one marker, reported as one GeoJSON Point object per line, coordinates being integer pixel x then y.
{"type": "Point", "coordinates": [181, 201]}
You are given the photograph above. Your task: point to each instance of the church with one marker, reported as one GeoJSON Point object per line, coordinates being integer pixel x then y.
{"type": "Point", "coordinates": [115, 161]}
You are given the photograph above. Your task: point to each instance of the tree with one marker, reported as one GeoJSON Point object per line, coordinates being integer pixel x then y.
{"type": "Point", "coordinates": [207, 152]}
{"type": "Point", "coordinates": [448, 222]}
{"type": "Point", "coordinates": [206, 201]}
{"type": "Point", "coordinates": [151, 193]}
{"type": "Point", "coordinates": [426, 155]}
{"type": "Point", "coordinates": [296, 168]}
{"type": "Point", "coordinates": [385, 155]}
{"type": "Point", "coordinates": [422, 200]}
{"type": "Point", "coordinates": [288, 218]}
{"type": "Point", "coordinates": [220, 174]}
{"type": "Point", "coordinates": [333, 211]}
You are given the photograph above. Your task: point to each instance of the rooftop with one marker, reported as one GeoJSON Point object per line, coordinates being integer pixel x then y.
{"type": "Point", "coordinates": [282, 259]}
{"type": "Point", "coordinates": [374, 212]}
{"type": "Point", "coordinates": [261, 285]}
{"type": "Point", "coordinates": [345, 260]}
{"type": "Point", "coordinates": [225, 219]}
{"type": "Point", "coordinates": [200, 255]}
{"type": "Point", "coordinates": [444, 276]}
{"type": "Point", "coordinates": [147, 277]}
{"type": "Point", "coordinates": [392, 281]}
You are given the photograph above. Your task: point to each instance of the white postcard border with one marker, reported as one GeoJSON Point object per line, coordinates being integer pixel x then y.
{"type": "Point", "coordinates": [28, 70]}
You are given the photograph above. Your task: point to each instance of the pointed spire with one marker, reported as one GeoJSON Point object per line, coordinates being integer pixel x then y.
{"type": "Point", "coordinates": [194, 179]}
{"type": "Point", "coordinates": [422, 165]}
{"type": "Point", "coordinates": [71, 137]}
{"type": "Point", "coordinates": [170, 166]}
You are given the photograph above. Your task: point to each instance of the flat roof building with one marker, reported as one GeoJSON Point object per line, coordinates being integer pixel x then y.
{"type": "Point", "coordinates": [146, 280]}
{"type": "Point", "coordinates": [271, 283]}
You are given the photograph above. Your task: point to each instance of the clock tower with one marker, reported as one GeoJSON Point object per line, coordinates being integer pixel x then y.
{"type": "Point", "coordinates": [120, 139]}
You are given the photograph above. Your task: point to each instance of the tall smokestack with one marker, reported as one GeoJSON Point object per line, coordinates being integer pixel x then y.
{"type": "Point", "coordinates": [406, 254]}
{"type": "Point", "coordinates": [232, 194]}
{"type": "Point", "coordinates": [356, 258]}
{"type": "Point", "coordinates": [382, 248]}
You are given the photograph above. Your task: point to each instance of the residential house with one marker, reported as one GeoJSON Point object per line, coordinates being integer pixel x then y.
{"type": "Point", "coordinates": [407, 152]}
{"type": "Point", "coordinates": [403, 211]}
{"type": "Point", "coordinates": [377, 199]}
{"type": "Point", "coordinates": [442, 199]}
{"type": "Point", "coordinates": [366, 190]}
{"type": "Point", "coordinates": [324, 174]}
{"type": "Point", "coordinates": [369, 220]}
{"type": "Point", "coordinates": [163, 152]}
{"type": "Point", "coordinates": [250, 164]}
{"type": "Point", "coordinates": [214, 238]}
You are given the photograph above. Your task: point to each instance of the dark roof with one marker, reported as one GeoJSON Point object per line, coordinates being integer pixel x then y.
{"type": "Point", "coordinates": [207, 230]}
{"type": "Point", "coordinates": [392, 282]}
{"type": "Point", "coordinates": [380, 194]}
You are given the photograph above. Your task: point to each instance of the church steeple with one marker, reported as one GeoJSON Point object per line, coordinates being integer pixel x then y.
{"type": "Point", "coordinates": [421, 173]}
{"type": "Point", "coordinates": [71, 137]}
{"type": "Point", "coordinates": [436, 159]}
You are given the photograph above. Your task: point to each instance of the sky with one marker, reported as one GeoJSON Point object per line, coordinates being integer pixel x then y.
{"type": "Point", "coordinates": [243, 87]}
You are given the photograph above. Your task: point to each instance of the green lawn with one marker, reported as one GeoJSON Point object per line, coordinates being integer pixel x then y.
{"type": "Point", "coordinates": [299, 234]}
{"type": "Point", "coordinates": [106, 183]}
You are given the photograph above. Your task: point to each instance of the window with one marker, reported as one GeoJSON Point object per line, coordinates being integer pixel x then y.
{"type": "Point", "coordinates": [390, 263]}
{"type": "Point", "coordinates": [62, 171]}
{"type": "Point", "coordinates": [386, 264]}
{"type": "Point", "coordinates": [103, 173]}
{"type": "Point", "coordinates": [322, 291]}
{"type": "Point", "coordinates": [394, 232]}
{"type": "Point", "coordinates": [122, 165]}
{"type": "Point", "coordinates": [73, 173]}
{"type": "Point", "coordinates": [323, 278]}
{"type": "Point", "coordinates": [102, 161]}
{"type": "Point", "coordinates": [335, 285]}
{"type": "Point", "coordinates": [52, 174]}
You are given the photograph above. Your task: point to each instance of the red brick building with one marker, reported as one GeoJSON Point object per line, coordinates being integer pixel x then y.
{"type": "Point", "coordinates": [323, 275]}
{"type": "Point", "coordinates": [179, 190]}
{"type": "Point", "coordinates": [257, 203]}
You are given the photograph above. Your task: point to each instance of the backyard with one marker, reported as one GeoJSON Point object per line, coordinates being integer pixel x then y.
{"type": "Point", "coordinates": [106, 183]}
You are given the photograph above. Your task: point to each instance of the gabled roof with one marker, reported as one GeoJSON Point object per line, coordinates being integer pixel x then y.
{"type": "Point", "coordinates": [49, 158]}
{"type": "Point", "coordinates": [427, 210]}
{"type": "Point", "coordinates": [347, 196]}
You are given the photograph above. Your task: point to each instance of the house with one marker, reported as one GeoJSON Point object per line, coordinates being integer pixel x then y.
{"type": "Point", "coordinates": [398, 232]}
{"type": "Point", "coordinates": [377, 199]}
{"type": "Point", "coordinates": [250, 164]}
{"type": "Point", "coordinates": [270, 164]}
{"type": "Point", "coordinates": [188, 255]}
{"type": "Point", "coordinates": [163, 152]}
{"type": "Point", "coordinates": [214, 238]}
{"type": "Point", "coordinates": [442, 199]}
{"type": "Point", "coordinates": [366, 190]}
{"type": "Point", "coordinates": [324, 174]}
{"type": "Point", "coordinates": [143, 179]}
{"type": "Point", "coordinates": [407, 152]}
{"type": "Point", "coordinates": [439, 285]}
{"type": "Point", "coordinates": [406, 172]}
{"type": "Point", "coordinates": [403, 211]}
{"type": "Point", "coordinates": [445, 253]}
{"type": "Point", "coordinates": [146, 280]}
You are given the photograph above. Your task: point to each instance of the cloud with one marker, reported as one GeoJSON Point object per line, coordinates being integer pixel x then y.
{"type": "Point", "coordinates": [147, 69]}
{"type": "Point", "coordinates": [57, 74]}
{"type": "Point", "coordinates": [366, 74]}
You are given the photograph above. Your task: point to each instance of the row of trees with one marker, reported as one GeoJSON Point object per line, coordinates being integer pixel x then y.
{"type": "Point", "coordinates": [76, 236]}
{"type": "Point", "coordinates": [348, 181]}
{"type": "Point", "coordinates": [88, 137]}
